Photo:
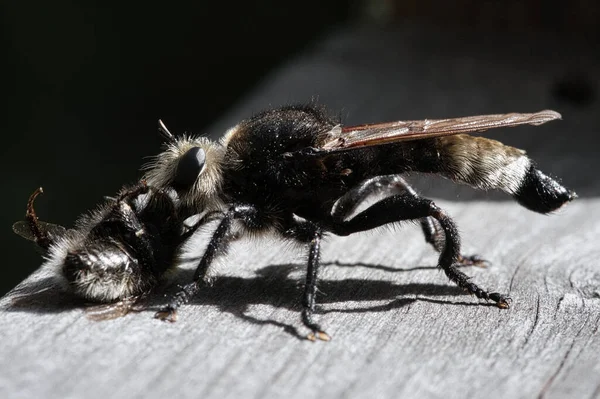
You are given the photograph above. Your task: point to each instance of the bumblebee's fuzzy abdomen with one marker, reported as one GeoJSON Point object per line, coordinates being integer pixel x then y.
{"type": "Point", "coordinates": [105, 272]}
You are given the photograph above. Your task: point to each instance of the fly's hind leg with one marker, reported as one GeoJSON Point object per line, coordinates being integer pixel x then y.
{"type": "Point", "coordinates": [434, 235]}
{"type": "Point", "coordinates": [393, 185]}
{"type": "Point", "coordinates": [408, 207]}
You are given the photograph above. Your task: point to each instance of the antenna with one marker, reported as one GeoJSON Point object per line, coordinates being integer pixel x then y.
{"type": "Point", "coordinates": [164, 132]}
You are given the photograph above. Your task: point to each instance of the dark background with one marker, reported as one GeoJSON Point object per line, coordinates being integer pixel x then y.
{"type": "Point", "coordinates": [87, 83]}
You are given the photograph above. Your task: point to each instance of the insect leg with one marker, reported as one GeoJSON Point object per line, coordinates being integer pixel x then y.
{"type": "Point", "coordinates": [389, 185]}
{"type": "Point", "coordinates": [109, 311]}
{"type": "Point", "coordinates": [132, 192]}
{"type": "Point", "coordinates": [125, 218]}
{"type": "Point", "coordinates": [40, 234]}
{"type": "Point", "coordinates": [218, 245]}
{"type": "Point", "coordinates": [406, 207]}
{"type": "Point", "coordinates": [308, 232]}
{"type": "Point", "coordinates": [386, 185]}
{"type": "Point", "coordinates": [191, 229]}
{"type": "Point", "coordinates": [435, 235]}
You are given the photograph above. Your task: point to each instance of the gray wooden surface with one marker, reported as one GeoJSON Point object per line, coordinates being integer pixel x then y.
{"type": "Point", "coordinates": [399, 328]}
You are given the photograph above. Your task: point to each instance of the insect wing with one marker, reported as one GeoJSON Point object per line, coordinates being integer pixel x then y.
{"type": "Point", "coordinates": [382, 133]}
{"type": "Point", "coordinates": [23, 229]}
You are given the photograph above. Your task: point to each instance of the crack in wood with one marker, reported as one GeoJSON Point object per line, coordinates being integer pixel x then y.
{"type": "Point", "coordinates": [562, 362]}
{"type": "Point", "coordinates": [512, 279]}
{"type": "Point", "coordinates": [562, 298]}
{"type": "Point", "coordinates": [535, 322]}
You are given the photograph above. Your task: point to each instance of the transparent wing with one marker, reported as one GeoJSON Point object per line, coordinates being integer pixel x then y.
{"type": "Point", "coordinates": [23, 229]}
{"type": "Point", "coordinates": [382, 133]}
{"type": "Point", "coordinates": [109, 311]}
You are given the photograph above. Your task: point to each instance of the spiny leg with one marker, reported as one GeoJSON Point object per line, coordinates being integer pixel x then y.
{"type": "Point", "coordinates": [130, 193]}
{"type": "Point", "coordinates": [434, 235]}
{"type": "Point", "coordinates": [407, 207]}
{"type": "Point", "coordinates": [311, 234]}
{"type": "Point", "coordinates": [40, 234]}
{"type": "Point", "coordinates": [191, 229]}
{"type": "Point", "coordinates": [393, 185]}
{"type": "Point", "coordinates": [124, 221]}
{"type": "Point", "coordinates": [217, 245]}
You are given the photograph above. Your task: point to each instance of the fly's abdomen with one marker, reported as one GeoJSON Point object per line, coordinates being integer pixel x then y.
{"type": "Point", "coordinates": [482, 163]}
{"type": "Point", "coordinates": [489, 164]}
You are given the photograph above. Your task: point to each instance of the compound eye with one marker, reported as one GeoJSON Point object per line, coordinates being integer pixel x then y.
{"type": "Point", "coordinates": [189, 167]}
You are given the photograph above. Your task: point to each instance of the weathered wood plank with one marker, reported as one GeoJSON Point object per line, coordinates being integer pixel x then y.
{"type": "Point", "coordinates": [399, 328]}
{"type": "Point", "coordinates": [395, 320]}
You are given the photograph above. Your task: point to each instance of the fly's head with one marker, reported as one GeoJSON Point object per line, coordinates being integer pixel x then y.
{"type": "Point", "coordinates": [192, 166]}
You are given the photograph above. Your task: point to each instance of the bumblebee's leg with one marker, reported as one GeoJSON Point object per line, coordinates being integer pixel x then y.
{"type": "Point", "coordinates": [109, 311]}
{"type": "Point", "coordinates": [406, 207]}
{"type": "Point", "coordinates": [39, 233]}
{"type": "Point", "coordinates": [394, 184]}
{"type": "Point", "coordinates": [307, 232]}
{"type": "Point", "coordinates": [217, 245]}
{"type": "Point", "coordinates": [126, 219]}
{"type": "Point", "coordinates": [132, 192]}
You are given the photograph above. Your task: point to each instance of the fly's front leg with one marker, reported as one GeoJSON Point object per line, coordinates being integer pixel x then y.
{"type": "Point", "coordinates": [389, 185]}
{"type": "Point", "coordinates": [218, 245]}
{"type": "Point", "coordinates": [307, 232]}
{"type": "Point", "coordinates": [407, 207]}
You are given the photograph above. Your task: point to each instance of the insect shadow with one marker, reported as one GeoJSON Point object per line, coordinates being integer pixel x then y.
{"type": "Point", "coordinates": [274, 285]}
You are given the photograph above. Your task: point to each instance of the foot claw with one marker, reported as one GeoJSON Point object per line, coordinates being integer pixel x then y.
{"type": "Point", "coordinates": [503, 302]}
{"type": "Point", "coordinates": [473, 260]}
{"type": "Point", "coordinates": [321, 335]}
{"type": "Point", "coordinates": [169, 315]}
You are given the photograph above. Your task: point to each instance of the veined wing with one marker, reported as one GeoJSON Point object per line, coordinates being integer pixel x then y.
{"type": "Point", "coordinates": [23, 229]}
{"type": "Point", "coordinates": [382, 133]}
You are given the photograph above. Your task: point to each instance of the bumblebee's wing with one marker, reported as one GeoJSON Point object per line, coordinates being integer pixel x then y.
{"type": "Point", "coordinates": [381, 133]}
{"type": "Point", "coordinates": [23, 229]}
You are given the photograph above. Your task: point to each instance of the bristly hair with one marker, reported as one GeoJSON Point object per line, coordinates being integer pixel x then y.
{"type": "Point", "coordinates": [165, 133]}
{"type": "Point", "coordinates": [161, 171]}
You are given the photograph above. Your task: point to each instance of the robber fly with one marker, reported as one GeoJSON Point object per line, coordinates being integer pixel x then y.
{"type": "Point", "coordinates": [115, 254]}
{"type": "Point", "coordinates": [296, 172]}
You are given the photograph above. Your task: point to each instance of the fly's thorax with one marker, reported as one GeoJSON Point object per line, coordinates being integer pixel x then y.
{"type": "Point", "coordinates": [193, 167]}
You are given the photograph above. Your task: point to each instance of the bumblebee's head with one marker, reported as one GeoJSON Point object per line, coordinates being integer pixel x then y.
{"type": "Point", "coordinates": [191, 166]}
